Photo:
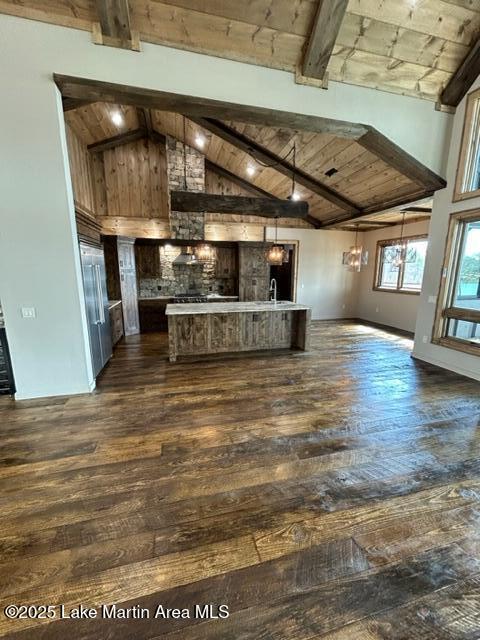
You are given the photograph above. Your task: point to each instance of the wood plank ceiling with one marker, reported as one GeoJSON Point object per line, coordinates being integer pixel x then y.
{"type": "Point", "coordinates": [340, 165]}
{"type": "Point", "coordinates": [412, 47]}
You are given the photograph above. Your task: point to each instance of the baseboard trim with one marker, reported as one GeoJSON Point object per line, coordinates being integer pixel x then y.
{"type": "Point", "coordinates": [442, 365]}
{"type": "Point", "coordinates": [386, 327]}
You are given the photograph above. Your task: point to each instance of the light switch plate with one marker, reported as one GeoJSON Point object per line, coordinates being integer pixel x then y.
{"type": "Point", "coordinates": [28, 312]}
{"type": "Point", "coordinates": [432, 299]}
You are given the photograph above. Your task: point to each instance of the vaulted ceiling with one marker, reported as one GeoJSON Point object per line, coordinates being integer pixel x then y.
{"type": "Point", "coordinates": [337, 176]}
{"type": "Point", "coordinates": [412, 47]}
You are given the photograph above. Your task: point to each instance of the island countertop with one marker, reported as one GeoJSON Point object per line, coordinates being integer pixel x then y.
{"type": "Point", "coordinates": [232, 307]}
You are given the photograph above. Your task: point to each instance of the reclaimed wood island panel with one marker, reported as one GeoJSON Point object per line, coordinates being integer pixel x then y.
{"type": "Point", "coordinates": [199, 328]}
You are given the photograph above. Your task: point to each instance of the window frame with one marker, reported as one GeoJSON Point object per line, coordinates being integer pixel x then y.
{"type": "Point", "coordinates": [381, 244]}
{"type": "Point", "coordinates": [465, 159]}
{"type": "Point", "coordinates": [445, 310]}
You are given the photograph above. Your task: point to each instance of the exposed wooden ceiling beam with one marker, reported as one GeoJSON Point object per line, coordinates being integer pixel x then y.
{"type": "Point", "coordinates": [368, 137]}
{"type": "Point", "coordinates": [72, 103]}
{"type": "Point", "coordinates": [114, 18]}
{"type": "Point", "coordinates": [249, 186]}
{"type": "Point", "coordinates": [396, 157]}
{"type": "Point", "coordinates": [265, 156]}
{"type": "Point", "coordinates": [395, 204]}
{"type": "Point", "coordinates": [323, 35]}
{"type": "Point", "coordinates": [116, 141]}
{"type": "Point", "coordinates": [463, 78]}
{"type": "Point", "coordinates": [191, 201]}
{"type": "Point", "coordinates": [97, 91]}
{"type": "Point", "coordinates": [376, 223]}
{"type": "Point", "coordinates": [427, 210]}
{"type": "Point", "coordinates": [239, 181]}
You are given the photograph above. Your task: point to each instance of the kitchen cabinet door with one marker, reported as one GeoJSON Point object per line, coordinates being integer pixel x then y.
{"type": "Point", "coordinates": [282, 323]}
{"type": "Point", "coordinates": [255, 330]}
{"type": "Point", "coordinates": [192, 334]}
{"type": "Point", "coordinates": [224, 332]}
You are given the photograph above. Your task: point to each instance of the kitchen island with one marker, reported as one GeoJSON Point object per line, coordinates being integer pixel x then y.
{"type": "Point", "coordinates": [227, 327]}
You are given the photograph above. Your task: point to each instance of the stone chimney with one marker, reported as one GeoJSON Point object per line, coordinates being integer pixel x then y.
{"type": "Point", "coordinates": [185, 226]}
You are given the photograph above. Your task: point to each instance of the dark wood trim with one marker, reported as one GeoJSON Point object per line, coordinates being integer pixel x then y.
{"type": "Point", "coordinates": [72, 103]}
{"type": "Point", "coordinates": [190, 201]}
{"type": "Point", "coordinates": [380, 208]}
{"type": "Point", "coordinates": [114, 18]}
{"type": "Point", "coordinates": [458, 345]}
{"type": "Point", "coordinates": [427, 210]}
{"type": "Point", "coordinates": [396, 157]}
{"type": "Point", "coordinates": [385, 327]}
{"type": "Point", "coordinates": [116, 141]}
{"type": "Point", "coordinates": [460, 313]}
{"type": "Point", "coordinates": [98, 91]}
{"type": "Point", "coordinates": [463, 78]}
{"type": "Point", "coordinates": [323, 35]}
{"type": "Point", "coordinates": [265, 156]}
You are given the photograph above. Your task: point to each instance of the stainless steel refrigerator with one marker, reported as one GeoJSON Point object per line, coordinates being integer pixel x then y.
{"type": "Point", "coordinates": [96, 300]}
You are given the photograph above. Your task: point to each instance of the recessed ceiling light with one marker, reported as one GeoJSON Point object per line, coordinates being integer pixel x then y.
{"type": "Point", "coordinates": [251, 170]}
{"type": "Point", "coordinates": [295, 196]}
{"type": "Point", "coordinates": [117, 118]}
{"type": "Point", "coordinates": [199, 141]}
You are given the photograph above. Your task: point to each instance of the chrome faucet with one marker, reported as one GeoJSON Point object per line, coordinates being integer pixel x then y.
{"type": "Point", "coordinates": [273, 290]}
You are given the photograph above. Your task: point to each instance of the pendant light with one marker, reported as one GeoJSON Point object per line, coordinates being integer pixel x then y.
{"type": "Point", "coordinates": [356, 258]}
{"type": "Point", "coordinates": [204, 253]}
{"type": "Point", "coordinates": [399, 254]}
{"type": "Point", "coordinates": [276, 254]}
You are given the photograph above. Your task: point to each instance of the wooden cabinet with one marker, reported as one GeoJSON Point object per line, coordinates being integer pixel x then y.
{"type": "Point", "coordinates": [7, 383]}
{"type": "Point", "coordinates": [255, 330]}
{"type": "Point", "coordinates": [254, 272]}
{"type": "Point", "coordinates": [147, 258]}
{"type": "Point", "coordinates": [192, 334]}
{"type": "Point", "coordinates": [281, 329]}
{"type": "Point", "coordinates": [152, 314]}
{"type": "Point", "coordinates": [116, 322]}
{"type": "Point", "coordinates": [224, 330]}
{"type": "Point", "coordinates": [122, 279]}
{"type": "Point", "coordinates": [226, 265]}
{"type": "Point", "coordinates": [202, 333]}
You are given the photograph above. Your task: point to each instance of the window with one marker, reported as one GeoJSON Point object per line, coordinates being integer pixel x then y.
{"type": "Point", "coordinates": [457, 322]}
{"type": "Point", "coordinates": [400, 264]}
{"type": "Point", "coordinates": [468, 176]}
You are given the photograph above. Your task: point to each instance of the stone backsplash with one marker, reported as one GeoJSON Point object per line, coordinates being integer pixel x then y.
{"type": "Point", "coordinates": [182, 278]}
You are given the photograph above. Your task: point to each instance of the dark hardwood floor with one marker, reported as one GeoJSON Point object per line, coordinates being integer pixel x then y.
{"type": "Point", "coordinates": [332, 494]}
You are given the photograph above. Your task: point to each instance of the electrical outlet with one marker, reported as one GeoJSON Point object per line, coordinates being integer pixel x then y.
{"type": "Point", "coordinates": [432, 299]}
{"type": "Point", "coordinates": [425, 339]}
{"type": "Point", "coordinates": [28, 312]}
{"type": "Point", "coordinates": [377, 310]}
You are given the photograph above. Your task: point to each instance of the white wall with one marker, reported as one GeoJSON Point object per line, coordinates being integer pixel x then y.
{"type": "Point", "coordinates": [442, 208]}
{"type": "Point", "coordinates": [39, 262]}
{"type": "Point", "coordinates": [392, 309]}
{"type": "Point", "coordinates": [323, 282]}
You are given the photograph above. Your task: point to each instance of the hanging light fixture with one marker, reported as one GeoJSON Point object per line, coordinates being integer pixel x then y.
{"type": "Point", "coordinates": [399, 254]}
{"type": "Point", "coordinates": [276, 254]}
{"type": "Point", "coordinates": [356, 258]}
{"type": "Point", "coordinates": [204, 253]}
